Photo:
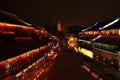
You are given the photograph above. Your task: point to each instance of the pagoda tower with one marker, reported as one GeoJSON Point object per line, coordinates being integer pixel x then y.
{"type": "Point", "coordinates": [59, 27]}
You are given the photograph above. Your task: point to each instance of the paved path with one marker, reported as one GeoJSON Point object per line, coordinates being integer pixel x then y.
{"type": "Point", "coordinates": [67, 66]}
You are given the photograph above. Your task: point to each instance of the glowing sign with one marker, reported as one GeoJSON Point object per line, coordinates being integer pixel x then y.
{"type": "Point", "coordinates": [87, 53]}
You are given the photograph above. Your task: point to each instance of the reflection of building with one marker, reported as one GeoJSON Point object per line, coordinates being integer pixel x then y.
{"type": "Point", "coordinates": [59, 27]}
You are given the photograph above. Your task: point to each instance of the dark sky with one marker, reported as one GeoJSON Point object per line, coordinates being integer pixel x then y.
{"type": "Point", "coordinates": [69, 12]}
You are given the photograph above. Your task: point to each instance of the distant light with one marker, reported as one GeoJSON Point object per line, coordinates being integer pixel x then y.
{"type": "Point", "coordinates": [90, 27]}
{"type": "Point", "coordinates": [116, 20]}
{"type": "Point", "coordinates": [96, 38]}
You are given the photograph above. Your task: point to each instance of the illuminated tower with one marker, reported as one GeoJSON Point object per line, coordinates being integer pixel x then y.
{"type": "Point", "coordinates": [59, 27]}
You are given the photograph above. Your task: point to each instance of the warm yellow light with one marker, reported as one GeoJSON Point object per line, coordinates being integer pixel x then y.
{"type": "Point", "coordinates": [107, 32]}
{"type": "Point", "coordinates": [87, 53]}
{"type": "Point", "coordinates": [90, 32]}
{"type": "Point", "coordinates": [119, 32]}
{"type": "Point", "coordinates": [72, 42]}
{"type": "Point", "coordinates": [79, 49]}
{"type": "Point", "coordinates": [87, 32]}
{"type": "Point", "coordinates": [25, 70]}
{"type": "Point", "coordinates": [75, 48]}
{"type": "Point", "coordinates": [29, 66]}
{"type": "Point", "coordinates": [20, 73]}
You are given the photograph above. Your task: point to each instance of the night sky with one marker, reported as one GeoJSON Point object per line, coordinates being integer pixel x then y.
{"type": "Point", "coordinates": [69, 12]}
